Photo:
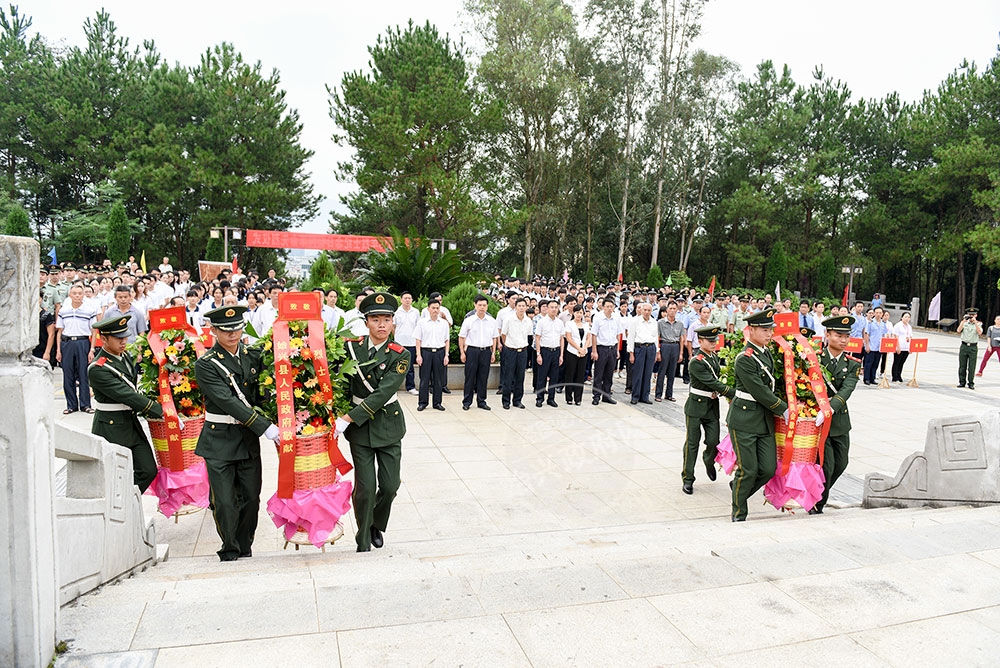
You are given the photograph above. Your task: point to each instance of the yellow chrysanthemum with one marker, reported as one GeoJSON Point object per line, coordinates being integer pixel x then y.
{"type": "Point", "coordinates": [308, 430]}
{"type": "Point", "coordinates": [299, 393]}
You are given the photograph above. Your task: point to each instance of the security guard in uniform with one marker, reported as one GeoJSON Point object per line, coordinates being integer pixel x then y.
{"type": "Point", "coordinates": [230, 438]}
{"type": "Point", "coordinates": [751, 415]}
{"type": "Point", "coordinates": [701, 411]}
{"type": "Point", "coordinates": [112, 377]}
{"type": "Point", "coordinates": [845, 371]}
{"type": "Point", "coordinates": [375, 426]}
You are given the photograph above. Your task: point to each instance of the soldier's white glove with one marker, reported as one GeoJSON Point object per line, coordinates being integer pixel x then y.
{"type": "Point", "coordinates": [340, 426]}
{"type": "Point", "coordinates": [784, 416]}
{"type": "Point", "coordinates": [820, 419]}
{"type": "Point", "coordinates": [272, 432]}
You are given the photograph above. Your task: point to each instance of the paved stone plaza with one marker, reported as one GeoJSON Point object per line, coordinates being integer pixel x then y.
{"type": "Point", "coordinates": [560, 537]}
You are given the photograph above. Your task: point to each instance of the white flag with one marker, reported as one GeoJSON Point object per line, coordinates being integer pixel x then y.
{"type": "Point", "coordinates": [777, 291]}
{"type": "Point", "coordinates": [934, 310]}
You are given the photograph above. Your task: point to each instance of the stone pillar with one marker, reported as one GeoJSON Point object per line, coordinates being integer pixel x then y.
{"type": "Point", "coordinates": [28, 602]}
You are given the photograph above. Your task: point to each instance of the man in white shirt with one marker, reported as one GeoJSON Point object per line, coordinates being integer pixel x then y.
{"type": "Point", "coordinates": [165, 266]}
{"type": "Point", "coordinates": [502, 315]}
{"type": "Point", "coordinates": [477, 341]}
{"type": "Point", "coordinates": [405, 322]}
{"type": "Point", "coordinates": [353, 318]}
{"type": "Point", "coordinates": [269, 310]}
{"type": "Point", "coordinates": [445, 313]}
{"type": "Point", "coordinates": [431, 338]}
{"type": "Point", "coordinates": [548, 353]}
{"type": "Point", "coordinates": [818, 316]}
{"type": "Point", "coordinates": [606, 330]}
{"type": "Point", "coordinates": [75, 349]}
{"type": "Point", "coordinates": [643, 351]}
{"type": "Point", "coordinates": [332, 314]}
{"type": "Point", "coordinates": [514, 353]}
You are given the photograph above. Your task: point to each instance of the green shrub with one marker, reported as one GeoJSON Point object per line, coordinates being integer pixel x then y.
{"type": "Point", "coordinates": [654, 279]}
{"type": "Point", "coordinates": [17, 223]}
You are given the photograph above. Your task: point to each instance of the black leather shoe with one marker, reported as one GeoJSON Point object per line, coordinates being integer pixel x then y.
{"type": "Point", "coordinates": [377, 538]}
{"type": "Point", "coordinates": [364, 549]}
{"type": "Point", "coordinates": [645, 401]}
{"type": "Point", "coordinates": [438, 407]}
{"type": "Point", "coordinates": [596, 401]}
{"type": "Point", "coordinates": [506, 407]}
{"type": "Point", "coordinates": [577, 402]}
{"type": "Point", "coordinates": [465, 408]}
{"type": "Point", "coordinates": [552, 402]}
{"type": "Point", "coordinates": [710, 470]}
{"type": "Point", "coordinates": [518, 404]}
{"type": "Point", "coordinates": [421, 407]}
{"type": "Point", "coordinates": [688, 488]}
{"type": "Point", "coordinates": [538, 404]}
{"type": "Point", "coordinates": [739, 519]}
{"type": "Point", "coordinates": [246, 555]}
{"type": "Point", "coordinates": [815, 511]}
{"type": "Point", "coordinates": [972, 387]}
{"type": "Point", "coordinates": [446, 390]}
{"type": "Point", "coordinates": [634, 402]}
{"type": "Point", "coordinates": [609, 400]}
{"type": "Point", "coordinates": [228, 557]}
{"type": "Point", "coordinates": [485, 407]}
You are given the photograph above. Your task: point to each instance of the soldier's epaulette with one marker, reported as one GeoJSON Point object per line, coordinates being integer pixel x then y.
{"type": "Point", "coordinates": [100, 361]}
{"type": "Point", "coordinates": [700, 357]}
{"type": "Point", "coordinates": [748, 352]}
{"type": "Point", "coordinates": [396, 348]}
{"type": "Point", "coordinates": [357, 340]}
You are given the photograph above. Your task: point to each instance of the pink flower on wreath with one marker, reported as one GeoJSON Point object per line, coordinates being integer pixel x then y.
{"type": "Point", "coordinates": [175, 378]}
{"type": "Point", "coordinates": [301, 417]}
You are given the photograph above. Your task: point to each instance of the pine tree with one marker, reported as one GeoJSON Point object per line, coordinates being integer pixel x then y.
{"type": "Point", "coordinates": [119, 234]}
{"type": "Point", "coordinates": [17, 224]}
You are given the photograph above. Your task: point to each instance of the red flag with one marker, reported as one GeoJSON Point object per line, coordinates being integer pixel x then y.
{"type": "Point", "coordinates": [843, 302]}
{"type": "Point", "coordinates": [236, 266]}
{"type": "Point", "coordinates": [619, 277]}
{"type": "Point", "coordinates": [711, 288]}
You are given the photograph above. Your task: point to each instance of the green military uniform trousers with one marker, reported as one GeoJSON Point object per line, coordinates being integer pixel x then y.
{"type": "Point", "coordinates": [967, 354]}
{"type": "Point", "coordinates": [756, 462]}
{"type": "Point", "coordinates": [235, 502]}
{"type": "Point", "coordinates": [694, 426]}
{"type": "Point", "coordinates": [835, 455]}
{"type": "Point", "coordinates": [374, 490]}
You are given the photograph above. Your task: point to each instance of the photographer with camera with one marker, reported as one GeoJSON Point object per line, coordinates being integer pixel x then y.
{"type": "Point", "coordinates": [970, 329]}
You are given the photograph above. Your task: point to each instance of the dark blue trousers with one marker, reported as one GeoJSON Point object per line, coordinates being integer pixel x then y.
{"type": "Point", "coordinates": [74, 366]}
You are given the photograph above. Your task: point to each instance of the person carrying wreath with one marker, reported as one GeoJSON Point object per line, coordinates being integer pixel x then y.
{"type": "Point", "coordinates": [375, 426]}
{"type": "Point", "coordinates": [230, 440]}
{"type": "Point", "coordinates": [751, 415]}
{"type": "Point", "coordinates": [112, 377]}
{"type": "Point", "coordinates": [701, 410]}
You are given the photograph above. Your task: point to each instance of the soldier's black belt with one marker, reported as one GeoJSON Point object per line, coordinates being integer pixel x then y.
{"type": "Point", "coordinates": [431, 350]}
{"type": "Point", "coordinates": [548, 348]}
{"type": "Point", "coordinates": [643, 345]}
{"type": "Point", "coordinates": [75, 338]}
{"type": "Point", "coordinates": [514, 350]}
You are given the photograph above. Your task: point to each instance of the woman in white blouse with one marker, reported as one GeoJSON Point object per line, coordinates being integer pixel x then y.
{"type": "Point", "coordinates": [578, 344]}
{"type": "Point", "coordinates": [139, 298]}
{"type": "Point", "coordinates": [903, 333]}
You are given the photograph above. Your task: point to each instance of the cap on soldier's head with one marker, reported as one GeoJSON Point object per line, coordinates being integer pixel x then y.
{"type": "Point", "coordinates": [764, 318]}
{"type": "Point", "coordinates": [745, 298]}
{"type": "Point", "coordinates": [116, 326]}
{"type": "Point", "coordinates": [971, 311]}
{"type": "Point", "coordinates": [839, 323]}
{"type": "Point", "coordinates": [697, 298]}
{"type": "Point", "coordinates": [379, 303]}
{"type": "Point", "coordinates": [807, 332]}
{"type": "Point", "coordinates": [227, 318]}
{"type": "Point", "coordinates": [709, 333]}
{"type": "Point", "coordinates": [53, 269]}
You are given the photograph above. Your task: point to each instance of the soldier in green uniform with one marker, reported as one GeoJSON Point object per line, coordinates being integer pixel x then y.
{"type": "Point", "coordinates": [112, 376]}
{"type": "Point", "coordinates": [54, 292]}
{"type": "Point", "coordinates": [230, 439]}
{"type": "Point", "coordinates": [845, 371]}
{"type": "Point", "coordinates": [970, 329]}
{"type": "Point", "coordinates": [701, 411]}
{"type": "Point", "coordinates": [375, 426]}
{"type": "Point", "coordinates": [751, 415]}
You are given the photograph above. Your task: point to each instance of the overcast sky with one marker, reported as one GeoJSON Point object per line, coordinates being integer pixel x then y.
{"type": "Point", "coordinates": [875, 46]}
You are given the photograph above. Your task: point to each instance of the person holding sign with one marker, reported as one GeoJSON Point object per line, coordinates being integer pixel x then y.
{"type": "Point", "coordinates": [993, 343]}
{"type": "Point", "coordinates": [845, 371]}
{"type": "Point", "coordinates": [230, 440]}
{"type": "Point", "coordinates": [970, 329]}
{"type": "Point", "coordinates": [112, 376]}
{"type": "Point", "coordinates": [375, 426]}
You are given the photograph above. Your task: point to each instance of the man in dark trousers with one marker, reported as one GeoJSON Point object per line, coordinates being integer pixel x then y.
{"type": "Point", "coordinates": [375, 426]}
{"type": "Point", "coordinates": [117, 402]}
{"type": "Point", "coordinates": [845, 371]}
{"type": "Point", "coordinates": [751, 415]}
{"type": "Point", "coordinates": [701, 411]}
{"type": "Point", "coordinates": [230, 439]}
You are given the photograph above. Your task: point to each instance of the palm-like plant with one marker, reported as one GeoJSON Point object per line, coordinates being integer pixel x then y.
{"type": "Point", "coordinates": [410, 263]}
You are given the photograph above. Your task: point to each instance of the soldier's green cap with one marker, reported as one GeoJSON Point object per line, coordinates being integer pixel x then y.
{"type": "Point", "coordinates": [839, 323]}
{"type": "Point", "coordinates": [745, 298]}
{"type": "Point", "coordinates": [711, 332]}
{"type": "Point", "coordinates": [379, 303]}
{"type": "Point", "coordinates": [971, 311]}
{"type": "Point", "coordinates": [116, 326]}
{"type": "Point", "coordinates": [53, 269]}
{"type": "Point", "coordinates": [227, 318]}
{"type": "Point", "coordinates": [807, 332]}
{"type": "Point", "coordinates": [764, 318]}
